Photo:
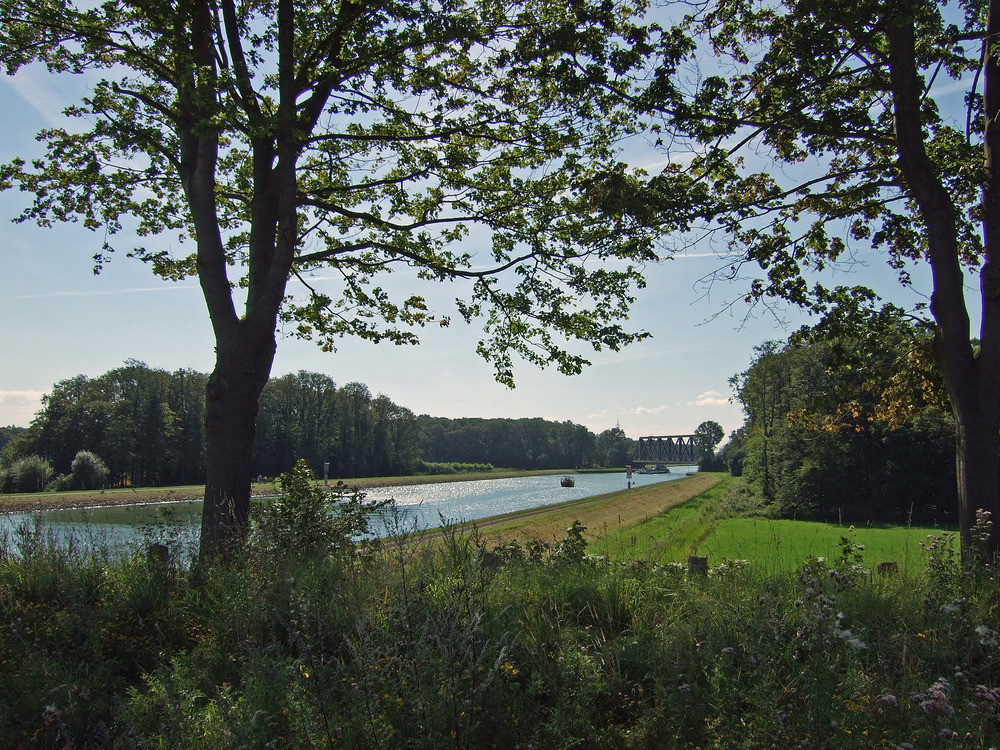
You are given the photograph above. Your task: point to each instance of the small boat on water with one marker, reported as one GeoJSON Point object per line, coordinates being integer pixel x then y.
{"type": "Point", "coordinates": [568, 482]}
{"type": "Point", "coordinates": [658, 469]}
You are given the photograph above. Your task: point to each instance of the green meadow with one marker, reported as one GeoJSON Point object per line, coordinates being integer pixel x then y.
{"type": "Point", "coordinates": [707, 527]}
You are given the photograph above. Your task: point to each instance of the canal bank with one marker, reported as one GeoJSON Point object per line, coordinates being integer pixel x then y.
{"type": "Point", "coordinates": [121, 496]}
{"type": "Point", "coordinates": [622, 509]}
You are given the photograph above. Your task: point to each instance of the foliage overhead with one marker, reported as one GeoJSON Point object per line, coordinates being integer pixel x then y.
{"type": "Point", "coordinates": [453, 140]}
{"type": "Point", "coordinates": [799, 136]}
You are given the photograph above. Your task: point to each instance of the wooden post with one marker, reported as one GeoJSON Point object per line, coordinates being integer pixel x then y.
{"type": "Point", "coordinates": [697, 565]}
{"type": "Point", "coordinates": [889, 568]}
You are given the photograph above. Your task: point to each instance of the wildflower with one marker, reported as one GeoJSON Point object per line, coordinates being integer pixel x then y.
{"type": "Point", "coordinates": [936, 701]}
{"type": "Point", "coordinates": [988, 636]}
{"type": "Point", "coordinates": [889, 700]}
{"type": "Point", "coordinates": [685, 688]}
{"type": "Point", "coordinates": [987, 699]}
{"type": "Point", "coordinates": [729, 650]}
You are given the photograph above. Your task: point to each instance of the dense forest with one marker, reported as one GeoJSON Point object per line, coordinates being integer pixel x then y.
{"type": "Point", "coordinates": [850, 427]}
{"type": "Point", "coordinates": [145, 427]}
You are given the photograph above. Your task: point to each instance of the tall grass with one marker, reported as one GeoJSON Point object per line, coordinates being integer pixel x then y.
{"type": "Point", "coordinates": [455, 646]}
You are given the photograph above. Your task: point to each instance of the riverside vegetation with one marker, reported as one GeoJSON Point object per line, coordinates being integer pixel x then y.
{"type": "Point", "coordinates": [309, 640]}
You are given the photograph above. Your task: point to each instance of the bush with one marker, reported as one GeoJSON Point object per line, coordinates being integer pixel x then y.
{"type": "Point", "coordinates": [308, 520]}
{"type": "Point", "coordinates": [61, 483]}
{"type": "Point", "coordinates": [88, 472]}
{"type": "Point", "coordinates": [31, 474]}
{"type": "Point", "coordinates": [435, 468]}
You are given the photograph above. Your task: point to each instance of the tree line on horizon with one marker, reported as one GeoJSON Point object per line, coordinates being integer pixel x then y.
{"type": "Point", "coordinates": [147, 427]}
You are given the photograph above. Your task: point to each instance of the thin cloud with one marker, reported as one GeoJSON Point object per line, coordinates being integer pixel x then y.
{"type": "Point", "coordinates": [108, 292]}
{"type": "Point", "coordinates": [36, 93]}
{"type": "Point", "coordinates": [649, 410]}
{"type": "Point", "coordinates": [710, 398]}
{"type": "Point", "coordinates": [19, 407]}
{"type": "Point", "coordinates": [20, 398]}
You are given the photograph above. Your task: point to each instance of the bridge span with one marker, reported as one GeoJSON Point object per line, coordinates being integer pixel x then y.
{"type": "Point", "coordinates": [666, 449]}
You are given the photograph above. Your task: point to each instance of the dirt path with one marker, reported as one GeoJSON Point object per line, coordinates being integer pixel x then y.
{"type": "Point", "coordinates": [621, 509]}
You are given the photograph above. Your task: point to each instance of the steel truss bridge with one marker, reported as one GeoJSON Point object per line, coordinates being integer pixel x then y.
{"type": "Point", "coordinates": [666, 449]}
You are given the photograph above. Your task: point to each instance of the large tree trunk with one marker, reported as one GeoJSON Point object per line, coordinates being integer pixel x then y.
{"type": "Point", "coordinates": [978, 448]}
{"type": "Point", "coordinates": [972, 378]}
{"type": "Point", "coordinates": [245, 345]}
{"type": "Point", "coordinates": [233, 396]}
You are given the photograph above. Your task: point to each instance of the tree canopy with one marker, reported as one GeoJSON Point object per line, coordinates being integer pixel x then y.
{"type": "Point", "coordinates": [463, 139]}
{"type": "Point", "coordinates": [819, 441]}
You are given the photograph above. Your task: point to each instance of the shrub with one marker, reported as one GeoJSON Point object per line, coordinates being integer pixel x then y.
{"type": "Point", "coordinates": [435, 468]}
{"type": "Point", "coordinates": [88, 471]}
{"type": "Point", "coordinates": [307, 519]}
{"type": "Point", "coordinates": [61, 483]}
{"type": "Point", "coordinates": [31, 474]}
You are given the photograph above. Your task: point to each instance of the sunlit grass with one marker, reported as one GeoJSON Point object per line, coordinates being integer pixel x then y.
{"type": "Point", "coordinates": [782, 545]}
{"type": "Point", "coordinates": [702, 527]}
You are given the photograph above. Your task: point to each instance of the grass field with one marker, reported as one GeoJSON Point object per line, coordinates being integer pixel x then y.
{"type": "Point", "coordinates": [777, 545]}
{"type": "Point", "coordinates": [700, 527]}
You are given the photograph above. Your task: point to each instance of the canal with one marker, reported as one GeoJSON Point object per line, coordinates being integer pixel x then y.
{"type": "Point", "coordinates": [420, 507]}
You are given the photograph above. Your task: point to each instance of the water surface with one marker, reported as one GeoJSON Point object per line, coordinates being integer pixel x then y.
{"type": "Point", "coordinates": [422, 506]}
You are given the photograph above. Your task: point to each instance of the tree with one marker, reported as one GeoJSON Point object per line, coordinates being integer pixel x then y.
{"type": "Point", "coordinates": [88, 471]}
{"type": "Point", "coordinates": [614, 449]}
{"type": "Point", "coordinates": [706, 436]}
{"type": "Point", "coordinates": [826, 437]}
{"type": "Point", "coordinates": [284, 137]}
{"type": "Point", "coordinates": [31, 474]}
{"type": "Point", "coordinates": [9, 433]}
{"type": "Point", "coordinates": [848, 99]}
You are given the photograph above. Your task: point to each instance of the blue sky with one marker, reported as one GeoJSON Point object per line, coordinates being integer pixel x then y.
{"type": "Point", "coordinates": [61, 320]}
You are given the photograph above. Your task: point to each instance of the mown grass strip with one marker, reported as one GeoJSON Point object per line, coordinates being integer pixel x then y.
{"type": "Point", "coordinates": [602, 514]}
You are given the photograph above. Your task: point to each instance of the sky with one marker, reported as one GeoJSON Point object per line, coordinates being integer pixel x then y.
{"type": "Point", "coordinates": [60, 320]}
